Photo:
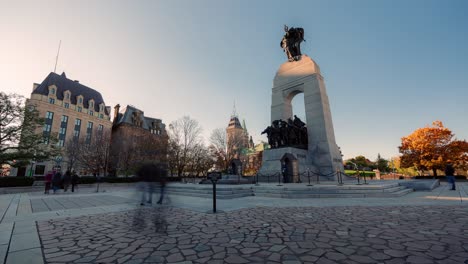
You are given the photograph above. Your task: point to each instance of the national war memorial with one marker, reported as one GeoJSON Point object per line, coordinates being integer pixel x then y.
{"type": "Point", "coordinates": [297, 147]}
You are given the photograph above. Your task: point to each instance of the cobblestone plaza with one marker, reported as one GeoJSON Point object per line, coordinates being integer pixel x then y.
{"type": "Point", "coordinates": [421, 227]}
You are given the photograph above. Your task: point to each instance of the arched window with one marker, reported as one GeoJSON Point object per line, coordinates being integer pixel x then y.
{"type": "Point", "coordinates": [52, 91]}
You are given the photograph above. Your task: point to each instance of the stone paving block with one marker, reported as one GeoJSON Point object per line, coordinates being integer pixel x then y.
{"type": "Point", "coordinates": [24, 241]}
{"type": "Point", "coordinates": [3, 252]}
{"type": "Point", "coordinates": [22, 227]}
{"type": "Point", "coordinates": [5, 237]}
{"type": "Point", "coordinates": [29, 256]}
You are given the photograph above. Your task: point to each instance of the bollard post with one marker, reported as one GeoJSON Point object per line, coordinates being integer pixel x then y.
{"type": "Point", "coordinates": [214, 196]}
{"type": "Point", "coordinates": [279, 180]}
{"type": "Point", "coordinates": [214, 177]}
{"type": "Point", "coordinates": [256, 181]}
{"type": "Point", "coordinates": [365, 181]}
{"type": "Point", "coordinates": [318, 178]}
{"type": "Point", "coordinates": [308, 176]}
{"type": "Point", "coordinates": [358, 179]}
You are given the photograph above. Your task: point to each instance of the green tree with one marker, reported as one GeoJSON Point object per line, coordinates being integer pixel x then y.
{"type": "Point", "coordinates": [381, 164]}
{"type": "Point", "coordinates": [359, 161]}
{"type": "Point", "coordinates": [21, 139]}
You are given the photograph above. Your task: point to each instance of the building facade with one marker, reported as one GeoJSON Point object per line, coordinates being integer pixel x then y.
{"type": "Point", "coordinates": [136, 139]}
{"type": "Point", "coordinates": [237, 138]}
{"type": "Point", "coordinates": [240, 146]}
{"type": "Point", "coordinates": [71, 111]}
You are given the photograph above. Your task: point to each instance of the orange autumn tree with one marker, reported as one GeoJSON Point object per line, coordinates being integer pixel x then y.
{"type": "Point", "coordinates": [431, 147]}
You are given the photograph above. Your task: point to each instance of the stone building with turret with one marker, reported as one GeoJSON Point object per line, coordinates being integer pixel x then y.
{"type": "Point", "coordinates": [242, 147]}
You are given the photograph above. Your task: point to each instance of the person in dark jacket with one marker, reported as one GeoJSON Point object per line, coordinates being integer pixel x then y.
{"type": "Point", "coordinates": [66, 180]}
{"type": "Point", "coordinates": [449, 173]}
{"type": "Point", "coordinates": [161, 176]}
{"type": "Point", "coordinates": [48, 181]}
{"type": "Point", "coordinates": [146, 186]}
{"type": "Point", "coordinates": [74, 181]}
{"type": "Point", "coordinates": [56, 181]}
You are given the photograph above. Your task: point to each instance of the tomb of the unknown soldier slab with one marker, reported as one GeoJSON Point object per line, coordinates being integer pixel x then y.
{"type": "Point", "coordinates": [299, 148]}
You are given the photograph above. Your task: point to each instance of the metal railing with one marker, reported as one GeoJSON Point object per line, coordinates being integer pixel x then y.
{"type": "Point", "coordinates": [310, 174]}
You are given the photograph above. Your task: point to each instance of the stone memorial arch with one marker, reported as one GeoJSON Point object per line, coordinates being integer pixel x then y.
{"type": "Point", "coordinates": [321, 155]}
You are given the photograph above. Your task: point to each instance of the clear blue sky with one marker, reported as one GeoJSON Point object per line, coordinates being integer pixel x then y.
{"type": "Point", "coordinates": [390, 67]}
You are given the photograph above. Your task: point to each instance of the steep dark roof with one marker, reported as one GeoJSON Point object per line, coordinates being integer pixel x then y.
{"type": "Point", "coordinates": [234, 122]}
{"type": "Point", "coordinates": [125, 116]}
{"type": "Point", "coordinates": [63, 84]}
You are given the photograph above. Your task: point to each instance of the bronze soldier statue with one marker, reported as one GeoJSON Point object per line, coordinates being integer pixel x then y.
{"type": "Point", "coordinates": [291, 42]}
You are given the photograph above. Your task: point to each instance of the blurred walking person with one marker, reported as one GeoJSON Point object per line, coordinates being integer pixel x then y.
{"type": "Point", "coordinates": [74, 181]}
{"type": "Point", "coordinates": [161, 175]}
{"type": "Point", "coordinates": [66, 180]}
{"type": "Point", "coordinates": [449, 173]}
{"type": "Point", "coordinates": [146, 174]}
{"type": "Point", "coordinates": [48, 181]}
{"type": "Point", "coordinates": [56, 181]}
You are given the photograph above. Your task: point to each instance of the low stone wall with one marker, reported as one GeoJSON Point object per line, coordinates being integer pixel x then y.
{"type": "Point", "coordinates": [420, 185]}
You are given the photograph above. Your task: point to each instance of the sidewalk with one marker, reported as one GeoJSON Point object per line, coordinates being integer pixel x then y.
{"type": "Point", "coordinates": [19, 213]}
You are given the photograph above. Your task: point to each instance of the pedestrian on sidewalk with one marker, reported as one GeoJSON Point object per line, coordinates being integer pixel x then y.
{"type": "Point", "coordinates": [66, 180]}
{"type": "Point", "coordinates": [74, 181]}
{"type": "Point", "coordinates": [161, 175]}
{"type": "Point", "coordinates": [48, 181]}
{"type": "Point", "coordinates": [146, 186]}
{"type": "Point", "coordinates": [449, 173]}
{"type": "Point", "coordinates": [56, 181]}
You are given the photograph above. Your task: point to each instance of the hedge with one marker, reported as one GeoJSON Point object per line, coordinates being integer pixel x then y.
{"type": "Point", "coordinates": [362, 173]}
{"type": "Point", "coordinates": [16, 181]}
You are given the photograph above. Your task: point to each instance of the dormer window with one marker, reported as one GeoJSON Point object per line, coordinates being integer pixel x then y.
{"type": "Point", "coordinates": [91, 104]}
{"type": "Point", "coordinates": [52, 91]}
{"type": "Point", "coordinates": [80, 100]}
{"type": "Point", "coordinates": [101, 108]}
{"type": "Point", "coordinates": [67, 96]}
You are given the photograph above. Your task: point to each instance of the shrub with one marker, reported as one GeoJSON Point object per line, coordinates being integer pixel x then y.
{"type": "Point", "coordinates": [16, 181]}
{"type": "Point", "coordinates": [369, 174]}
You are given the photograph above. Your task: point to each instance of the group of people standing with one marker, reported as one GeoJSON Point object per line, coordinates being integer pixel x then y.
{"type": "Point", "coordinates": [56, 180]}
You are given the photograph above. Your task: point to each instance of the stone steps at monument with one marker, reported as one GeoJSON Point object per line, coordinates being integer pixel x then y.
{"type": "Point", "coordinates": [334, 195]}
{"type": "Point", "coordinates": [210, 195]}
{"type": "Point", "coordinates": [290, 191]}
{"type": "Point", "coordinates": [221, 193]}
{"type": "Point", "coordinates": [331, 189]}
{"type": "Point", "coordinates": [358, 191]}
